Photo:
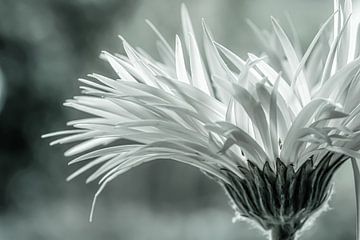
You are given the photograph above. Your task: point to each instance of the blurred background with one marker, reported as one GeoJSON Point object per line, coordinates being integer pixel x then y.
{"type": "Point", "coordinates": [45, 45]}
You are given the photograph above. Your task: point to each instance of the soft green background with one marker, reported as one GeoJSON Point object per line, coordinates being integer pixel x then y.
{"type": "Point", "coordinates": [45, 45]}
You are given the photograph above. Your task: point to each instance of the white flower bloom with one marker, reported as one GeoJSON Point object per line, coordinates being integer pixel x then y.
{"type": "Point", "coordinates": [272, 130]}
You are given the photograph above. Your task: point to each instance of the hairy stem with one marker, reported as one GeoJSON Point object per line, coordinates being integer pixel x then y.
{"type": "Point", "coordinates": [282, 233]}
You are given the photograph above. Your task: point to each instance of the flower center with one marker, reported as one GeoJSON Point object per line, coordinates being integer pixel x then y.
{"type": "Point", "coordinates": [284, 199]}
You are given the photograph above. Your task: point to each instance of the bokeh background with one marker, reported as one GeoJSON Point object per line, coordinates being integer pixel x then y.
{"type": "Point", "coordinates": [45, 45]}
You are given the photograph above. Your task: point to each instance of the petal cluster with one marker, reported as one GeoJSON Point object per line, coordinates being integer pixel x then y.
{"type": "Point", "coordinates": [218, 112]}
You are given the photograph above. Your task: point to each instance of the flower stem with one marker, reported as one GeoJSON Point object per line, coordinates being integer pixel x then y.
{"type": "Point", "coordinates": [282, 233]}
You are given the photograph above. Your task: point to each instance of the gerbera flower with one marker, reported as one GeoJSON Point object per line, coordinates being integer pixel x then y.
{"type": "Point", "coordinates": [271, 130]}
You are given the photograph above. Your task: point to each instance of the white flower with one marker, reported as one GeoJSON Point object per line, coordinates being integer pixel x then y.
{"type": "Point", "coordinates": [272, 130]}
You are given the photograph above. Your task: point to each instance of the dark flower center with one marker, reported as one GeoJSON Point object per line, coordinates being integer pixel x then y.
{"type": "Point", "coordinates": [282, 200]}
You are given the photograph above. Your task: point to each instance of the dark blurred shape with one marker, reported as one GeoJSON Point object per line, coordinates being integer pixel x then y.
{"type": "Point", "coordinates": [44, 46]}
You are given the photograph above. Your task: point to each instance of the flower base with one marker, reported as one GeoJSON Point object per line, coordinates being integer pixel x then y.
{"type": "Point", "coordinates": [281, 201]}
{"type": "Point", "coordinates": [282, 233]}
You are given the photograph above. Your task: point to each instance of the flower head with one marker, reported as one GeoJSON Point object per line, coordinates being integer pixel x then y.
{"type": "Point", "coordinates": [272, 130]}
